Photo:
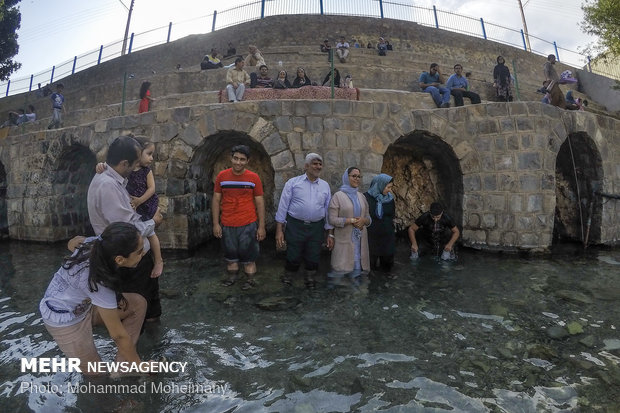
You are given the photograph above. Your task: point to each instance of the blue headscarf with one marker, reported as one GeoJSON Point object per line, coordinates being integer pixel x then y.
{"type": "Point", "coordinates": [377, 186]}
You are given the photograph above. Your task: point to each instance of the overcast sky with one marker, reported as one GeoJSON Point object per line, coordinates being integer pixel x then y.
{"type": "Point", "coordinates": [54, 31]}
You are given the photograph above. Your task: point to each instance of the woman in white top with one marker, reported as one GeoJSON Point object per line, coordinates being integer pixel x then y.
{"type": "Point", "coordinates": [85, 291]}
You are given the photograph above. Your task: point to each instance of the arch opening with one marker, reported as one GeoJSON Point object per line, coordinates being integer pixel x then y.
{"type": "Point", "coordinates": [209, 160]}
{"type": "Point", "coordinates": [425, 169]}
{"type": "Point", "coordinates": [70, 180]}
{"type": "Point", "coordinates": [4, 207]}
{"type": "Point", "coordinates": [578, 176]}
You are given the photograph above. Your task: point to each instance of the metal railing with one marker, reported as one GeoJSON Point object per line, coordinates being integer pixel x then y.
{"type": "Point", "coordinates": [259, 9]}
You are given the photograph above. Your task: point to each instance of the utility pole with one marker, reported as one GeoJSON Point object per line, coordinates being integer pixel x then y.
{"type": "Point", "coordinates": [527, 36]}
{"type": "Point", "coordinates": [129, 21]}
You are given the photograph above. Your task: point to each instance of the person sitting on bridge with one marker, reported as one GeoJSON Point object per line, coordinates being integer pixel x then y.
{"type": "Point", "coordinates": [211, 61]}
{"type": "Point", "coordinates": [437, 234]}
{"type": "Point", "coordinates": [459, 87]}
{"type": "Point", "coordinates": [261, 80]}
{"type": "Point", "coordinates": [255, 58]}
{"type": "Point", "coordinates": [430, 82]}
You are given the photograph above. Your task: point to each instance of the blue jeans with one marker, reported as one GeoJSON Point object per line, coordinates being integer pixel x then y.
{"type": "Point", "coordinates": [440, 95]}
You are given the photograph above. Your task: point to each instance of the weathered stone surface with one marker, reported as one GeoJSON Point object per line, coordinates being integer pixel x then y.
{"type": "Point", "coordinates": [191, 136]}
{"type": "Point", "coordinates": [283, 160]}
{"type": "Point", "coordinates": [529, 160]}
{"type": "Point", "coordinates": [274, 143]}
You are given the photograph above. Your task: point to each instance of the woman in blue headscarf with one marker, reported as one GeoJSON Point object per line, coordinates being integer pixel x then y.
{"type": "Point", "coordinates": [348, 213]}
{"type": "Point", "coordinates": [381, 238]}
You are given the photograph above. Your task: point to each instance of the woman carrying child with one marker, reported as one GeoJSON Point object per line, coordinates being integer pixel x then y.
{"type": "Point", "coordinates": [85, 291]}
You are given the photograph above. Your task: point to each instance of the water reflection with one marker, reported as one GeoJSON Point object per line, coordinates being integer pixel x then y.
{"type": "Point", "coordinates": [485, 334]}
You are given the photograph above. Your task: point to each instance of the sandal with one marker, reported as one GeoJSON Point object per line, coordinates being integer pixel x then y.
{"type": "Point", "coordinates": [232, 278]}
{"type": "Point", "coordinates": [310, 283]}
{"type": "Point", "coordinates": [286, 280]}
{"type": "Point", "coordinates": [248, 284]}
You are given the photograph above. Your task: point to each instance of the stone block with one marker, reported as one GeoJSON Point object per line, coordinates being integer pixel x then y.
{"type": "Point", "coordinates": [488, 221]}
{"type": "Point", "coordinates": [422, 120]}
{"type": "Point", "coordinates": [282, 123]}
{"type": "Point", "coordinates": [379, 110]}
{"type": "Point", "coordinates": [517, 109]}
{"type": "Point", "coordinates": [342, 140]}
{"type": "Point", "coordinates": [101, 126]}
{"type": "Point", "coordinates": [483, 143]}
{"type": "Point", "coordinates": [495, 202]}
{"type": "Point", "coordinates": [497, 109]}
{"type": "Point", "coordinates": [472, 183]}
{"type": "Point", "coordinates": [488, 126]}
{"type": "Point", "coordinates": [175, 186]}
{"type": "Point", "coordinates": [525, 124]}
{"type": "Point", "coordinates": [462, 149]}
{"type": "Point", "coordinates": [473, 221]}
{"type": "Point", "coordinates": [363, 109]}
{"type": "Point", "coordinates": [504, 163]}
{"type": "Point", "coordinates": [352, 158]}
{"type": "Point", "coordinates": [207, 124]}
{"type": "Point", "coordinates": [342, 107]}
{"type": "Point", "coordinates": [509, 238]}
{"type": "Point", "coordinates": [274, 144]}
{"type": "Point", "coordinates": [332, 124]}
{"type": "Point", "coordinates": [528, 240]}
{"type": "Point", "coordinates": [359, 141]}
{"type": "Point", "coordinates": [332, 160]}
{"type": "Point", "coordinates": [368, 125]}
{"type": "Point", "coordinates": [181, 115]}
{"type": "Point", "coordinates": [506, 125]}
{"type": "Point", "coordinates": [471, 164]}
{"type": "Point", "coordinates": [489, 182]}
{"type": "Point", "coordinates": [191, 136]}
{"type": "Point", "coordinates": [506, 221]}
{"type": "Point", "coordinates": [372, 162]}
{"type": "Point", "coordinates": [176, 169]}
{"type": "Point", "coordinates": [312, 141]}
{"type": "Point", "coordinates": [350, 124]}
{"type": "Point", "coordinates": [299, 124]}
{"type": "Point", "coordinates": [524, 223]}
{"type": "Point", "coordinates": [475, 236]}
{"type": "Point", "coordinates": [320, 108]}
{"type": "Point", "coordinates": [494, 238]}
{"type": "Point", "coordinates": [529, 161]}
{"type": "Point", "coordinates": [181, 151]}
{"type": "Point", "coordinates": [473, 203]}
{"type": "Point", "coordinates": [526, 142]}
{"type": "Point", "coordinates": [534, 203]}
{"type": "Point", "coordinates": [329, 140]}
{"type": "Point", "coordinates": [529, 183]}
{"type": "Point", "coordinates": [270, 107]}
{"type": "Point", "coordinates": [294, 141]}
{"type": "Point", "coordinates": [516, 203]}
{"type": "Point", "coordinates": [534, 108]}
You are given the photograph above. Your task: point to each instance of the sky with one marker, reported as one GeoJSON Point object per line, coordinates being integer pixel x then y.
{"type": "Point", "coordinates": [54, 31]}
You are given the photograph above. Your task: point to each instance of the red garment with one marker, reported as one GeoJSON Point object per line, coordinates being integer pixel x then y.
{"type": "Point", "coordinates": [238, 192]}
{"type": "Point", "coordinates": [144, 103]}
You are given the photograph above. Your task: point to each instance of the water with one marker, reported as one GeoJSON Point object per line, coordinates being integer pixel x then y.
{"type": "Point", "coordinates": [470, 336]}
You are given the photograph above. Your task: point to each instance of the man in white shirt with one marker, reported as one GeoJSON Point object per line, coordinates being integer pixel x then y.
{"type": "Point", "coordinates": [108, 201]}
{"type": "Point", "coordinates": [342, 50]}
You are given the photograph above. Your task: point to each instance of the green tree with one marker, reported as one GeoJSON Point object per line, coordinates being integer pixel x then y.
{"type": "Point", "coordinates": [602, 19]}
{"type": "Point", "coordinates": [10, 20]}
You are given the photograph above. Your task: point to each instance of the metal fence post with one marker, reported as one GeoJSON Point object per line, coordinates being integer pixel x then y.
{"type": "Point", "coordinates": [381, 7]}
{"type": "Point", "coordinates": [169, 30]}
{"type": "Point", "coordinates": [130, 44]}
{"type": "Point", "coordinates": [514, 71]}
{"type": "Point", "coordinates": [124, 94]}
{"type": "Point", "coordinates": [8, 84]}
{"type": "Point", "coordinates": [589, 66]}
{"type": "Point", "coordinates": [436, 21]}
{"type": "Point", "coordinates": [52, 78]}
{"type": "Point", "coordinates": [214, 17]}
{"type": "Point", "coordinates": [30, 88]}
{"type": "Point", "coordinates": [100, 53]}
{"type": "Point", "coordinates": [523, 38]}
{"type": "Point", "coordinates": [557, 56]}
{"type": "Point", "coordinates": [484, 32]}
{"type": "Point", "coordinates": [321, 6]}
{"type": "Point", "coordinates": [262, 9]}
{"type": "Point", "coordinates": [74, 61]}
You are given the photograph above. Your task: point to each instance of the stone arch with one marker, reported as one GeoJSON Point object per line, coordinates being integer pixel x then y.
{"type": "Point", "coordinates": [425, 169]}
{"type": "Point", "coordinates": [578, 176]}
{"type": "Point", "coordinates": [208, 160]}
{"type": "Point", "coordinates": [71, 176]}
{"type": "Point", "coordinates": [4, 209]}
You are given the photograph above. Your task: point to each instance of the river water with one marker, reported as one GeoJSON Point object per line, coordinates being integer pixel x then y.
{"type": "Point", "coordinates": [489, 333]}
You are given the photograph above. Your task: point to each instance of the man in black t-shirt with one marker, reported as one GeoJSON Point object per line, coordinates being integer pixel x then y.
{"type": "Point", "coordinates": [436, 230]}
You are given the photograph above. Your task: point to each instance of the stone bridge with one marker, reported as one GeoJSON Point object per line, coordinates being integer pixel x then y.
{"type": "Point", "coordinates": [514, 175]}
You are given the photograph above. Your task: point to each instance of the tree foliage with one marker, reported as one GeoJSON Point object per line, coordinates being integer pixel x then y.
{"type": "Point", "coordinates": [10, 20]}
{"type": "Point", "coordinates": [602, 19]}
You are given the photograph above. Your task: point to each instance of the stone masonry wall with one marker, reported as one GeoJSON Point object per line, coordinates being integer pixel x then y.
{"type": "Point", "coordinates": [506, 152]}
